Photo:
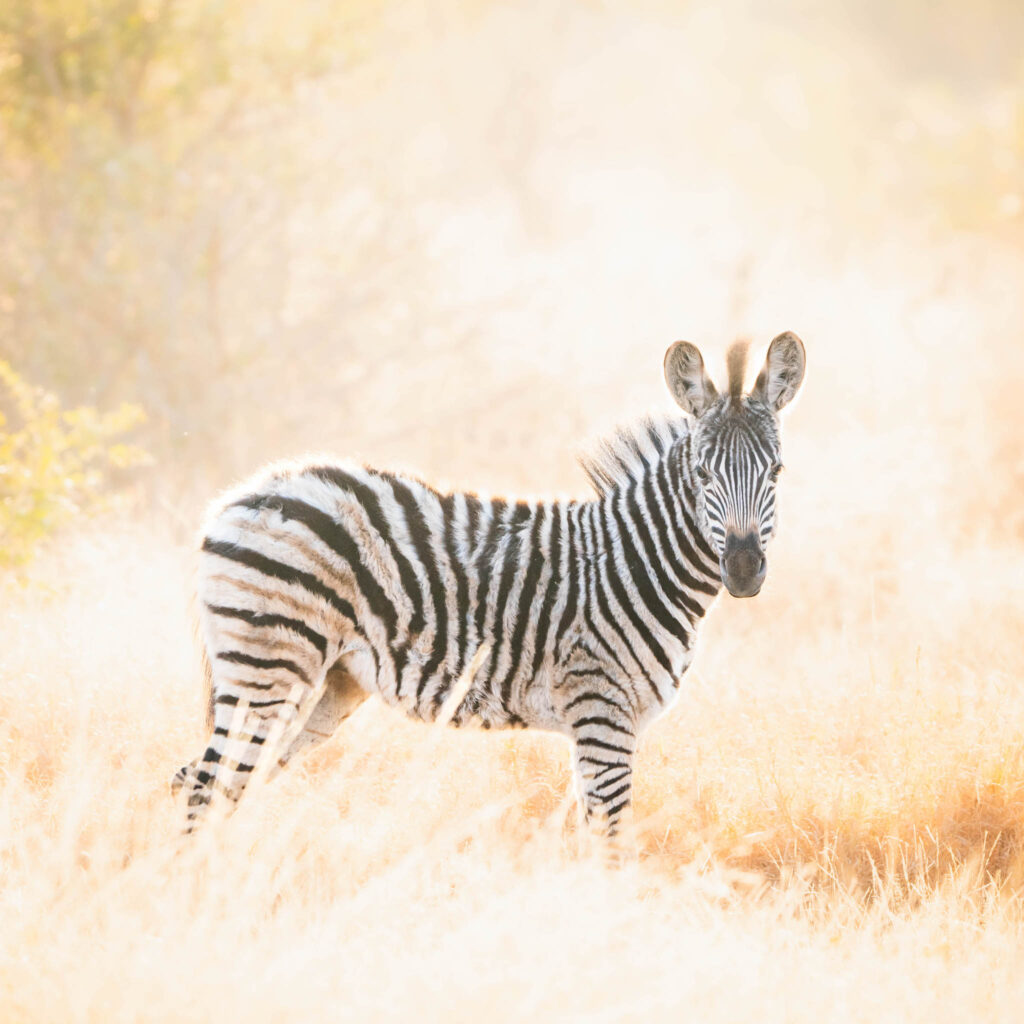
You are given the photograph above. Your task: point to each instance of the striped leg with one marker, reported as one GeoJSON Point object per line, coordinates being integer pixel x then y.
{"type": "Point", "coordinates": [265, 684]}
{"type": "Point", "coordinates": [244, 735]}
{"type": "Point", "coordinates": [604, 741]}
{"type": "Point", "coordinates": [268, 670]}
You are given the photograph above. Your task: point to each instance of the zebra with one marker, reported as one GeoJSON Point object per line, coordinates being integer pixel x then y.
{"type": "Point", "coordinates": [323, 583]}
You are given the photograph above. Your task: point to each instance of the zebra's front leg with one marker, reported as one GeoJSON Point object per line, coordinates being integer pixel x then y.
{"type": "Point", "coordinates": [604, 743]}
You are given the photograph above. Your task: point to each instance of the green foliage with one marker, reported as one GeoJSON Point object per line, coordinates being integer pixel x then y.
{"type": "Point", "coordinates": [120, 66]}
{"type": "Point", "coordinates": [55, 463]}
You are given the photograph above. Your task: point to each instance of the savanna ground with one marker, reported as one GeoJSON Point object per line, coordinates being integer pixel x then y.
{"type": "Point", "coordinates": [460, 243]}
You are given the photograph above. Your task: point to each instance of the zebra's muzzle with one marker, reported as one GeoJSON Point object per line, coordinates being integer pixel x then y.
{"type": "Point", "coordinates": [743, 565]}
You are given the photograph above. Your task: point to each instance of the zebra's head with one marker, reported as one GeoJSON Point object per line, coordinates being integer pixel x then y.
{"type": "Point", "coordinates": [735, 456]}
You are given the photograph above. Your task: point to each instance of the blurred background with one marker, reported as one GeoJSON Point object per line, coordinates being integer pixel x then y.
{"type": "Point", "coordinates": [458, 236]}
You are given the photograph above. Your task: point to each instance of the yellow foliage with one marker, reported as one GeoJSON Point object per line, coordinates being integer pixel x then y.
{"type": "Point", "coordinates": [55, 463]}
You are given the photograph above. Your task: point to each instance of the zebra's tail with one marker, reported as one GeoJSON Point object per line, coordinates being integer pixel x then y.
{"type": "Point", "coordinates": [204, 665]}
{"type": "Point", "coordinates": [207, 685]}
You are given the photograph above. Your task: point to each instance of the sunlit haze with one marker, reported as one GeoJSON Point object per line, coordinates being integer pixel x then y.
{"type": "Point", "coordinates": [456, 239]}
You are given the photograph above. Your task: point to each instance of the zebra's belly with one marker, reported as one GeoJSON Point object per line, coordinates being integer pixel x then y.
{"type": "Point", "coordinates": [461, 699]}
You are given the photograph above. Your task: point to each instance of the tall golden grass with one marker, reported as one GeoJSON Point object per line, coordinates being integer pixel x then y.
{"type": "Point", "coordinates": [831, 818]}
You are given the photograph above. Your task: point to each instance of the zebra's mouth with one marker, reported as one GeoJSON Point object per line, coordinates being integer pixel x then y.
{"type": "Point", "coordinates": [750, 588]}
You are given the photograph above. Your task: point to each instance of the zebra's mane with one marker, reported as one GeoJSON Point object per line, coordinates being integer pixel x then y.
{"type": "Point", "coordinates": [631, 451]}
{"type": "Point", "coordinates": [736, 361]}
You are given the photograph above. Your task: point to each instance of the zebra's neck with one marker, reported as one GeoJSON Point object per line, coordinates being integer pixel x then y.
{"type": "Point", "coordinates": [646, 524]}
{"type": "Point", "coordinates": [644, 572]}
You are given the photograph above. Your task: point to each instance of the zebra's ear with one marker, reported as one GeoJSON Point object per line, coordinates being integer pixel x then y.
{"type": "Point", "coordinates": [691, 387]}
{"type": "Point", "coordinates": [783, 371]}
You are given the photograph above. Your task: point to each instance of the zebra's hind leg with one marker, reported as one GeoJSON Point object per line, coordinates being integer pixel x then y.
{"type": "Point", "coordinates": [246, 734]}
{"type": "Point", "coordinates": [341, 696]}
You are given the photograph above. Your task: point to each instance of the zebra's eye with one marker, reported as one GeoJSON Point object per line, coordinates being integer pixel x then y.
{"type": "Point", "coordinates": [775, 470]}
{"type": "Point", "coordinates": [702, 475]}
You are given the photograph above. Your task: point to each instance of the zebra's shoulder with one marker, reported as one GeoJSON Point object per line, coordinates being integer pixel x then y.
{"type": "Point", "coordinates": [631, 450]}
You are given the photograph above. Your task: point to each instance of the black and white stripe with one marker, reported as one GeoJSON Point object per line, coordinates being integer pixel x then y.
{"type": "Point", "coordinates": [320, 585]}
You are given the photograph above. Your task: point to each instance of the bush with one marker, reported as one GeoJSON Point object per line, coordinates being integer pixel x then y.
{"type": "Point", "coordinates": [55, 463]}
